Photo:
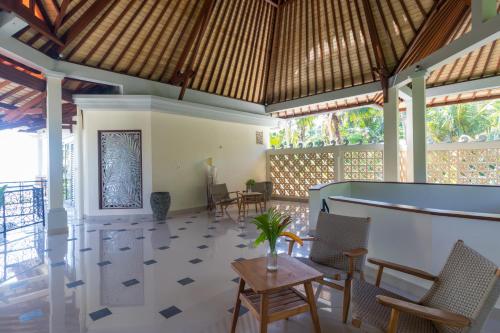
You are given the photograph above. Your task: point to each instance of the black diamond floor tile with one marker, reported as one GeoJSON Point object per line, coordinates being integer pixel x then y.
{"type": "Point", "coordinates": [170, 312]}
{"type": "Point", "coordinates": [185, 281]}
{"type": "Point", "coordinates": [100, 314]}
{"type": "Point", "coordinates": [130, 283]}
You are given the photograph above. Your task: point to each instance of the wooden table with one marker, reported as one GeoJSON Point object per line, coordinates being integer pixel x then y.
{"type": "Point", "coordinates": [271, 295]}
{"type": "Point", "coordinates": [248, 198]}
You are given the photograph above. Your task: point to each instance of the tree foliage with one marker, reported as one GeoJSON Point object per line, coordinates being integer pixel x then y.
{"type": "Point", "coordinates": [453, 123]}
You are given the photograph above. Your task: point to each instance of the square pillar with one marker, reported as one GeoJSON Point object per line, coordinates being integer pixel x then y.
{"type": "Point", "coordinates": [391, 136]}
{"type": "Point", "coordinates": [79, 163]}
{"type": "Point", "coordinates": [415, 136]}
{"type": "Point", "coordinates": [56, 216]}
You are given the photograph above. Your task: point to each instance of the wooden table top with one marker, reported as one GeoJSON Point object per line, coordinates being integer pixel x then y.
{"type": "Point", "coordinates": [251, 193]}
{"type": "Point", "coordinates": [291, 272]}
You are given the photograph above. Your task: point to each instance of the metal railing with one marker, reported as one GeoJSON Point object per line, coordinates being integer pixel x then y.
{"type": "Point", "coordinates": [22, 204]}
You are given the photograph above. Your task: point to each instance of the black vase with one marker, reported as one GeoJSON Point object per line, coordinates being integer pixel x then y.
{"type": "Point", "coordinates": [160, 204]}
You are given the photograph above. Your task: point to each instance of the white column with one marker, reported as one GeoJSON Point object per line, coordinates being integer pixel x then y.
{"type": "Point", "coordinates": [39, 154]}
{"type": "Point", "coordinates": [58, 246]}
{"type": "Point", "coordinates": [415, 136]}
{"type": "Point", "coordinates": [482, 10]}
{"type": "Point", "coordinates": [79, 164]}
{"type": "Point", "coordinates": [56, 216]}
{"type": "Point", "coordinates": [391, 136]}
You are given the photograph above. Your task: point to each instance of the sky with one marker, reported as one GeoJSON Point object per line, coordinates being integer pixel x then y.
{"type": "Point", "coordinates": [18, 156]}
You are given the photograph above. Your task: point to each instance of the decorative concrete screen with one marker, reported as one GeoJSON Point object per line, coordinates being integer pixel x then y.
{"type": "Point", "coordinates": [363, 165]}
{"type": "Point", "coordinates": [293, 173]}
{"type": "Point", "coordinates": [478, 163]}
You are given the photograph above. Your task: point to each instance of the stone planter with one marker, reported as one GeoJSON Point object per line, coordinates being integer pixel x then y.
{"type": "Point", "coordinates": [160, 204]}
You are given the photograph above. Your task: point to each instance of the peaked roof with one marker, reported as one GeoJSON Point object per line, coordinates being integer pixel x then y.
{"type": "Point", "coordinates": [262, 51]}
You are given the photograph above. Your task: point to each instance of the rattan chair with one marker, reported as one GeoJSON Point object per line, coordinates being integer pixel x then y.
{"type": "Point", "coordinates": [459, 301]}
{"type": "Point", "coordinates": [222, 197]}
{"type": "Point", "coordinates": [338, 251]}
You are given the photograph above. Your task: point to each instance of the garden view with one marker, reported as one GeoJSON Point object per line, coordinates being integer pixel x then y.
{"type": "Point", "coordinates": [479, 121]}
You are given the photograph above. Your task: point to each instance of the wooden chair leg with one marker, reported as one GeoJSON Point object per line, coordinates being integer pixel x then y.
{"type": "Point", "coordinates": [237, 305]}
{"type": "Point", "coordinates": [356, 322]}
{"type": "Point", "coordinates": [393, 322]}
{"type": "Point", "coordinates": [264, 304]}
{"type": "Point", "coordinates": [347, 300]}
{"type": "Point", "coordinates": [312, 306]}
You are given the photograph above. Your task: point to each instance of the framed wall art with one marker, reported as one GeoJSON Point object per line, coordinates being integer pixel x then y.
{"type": "Point", "coordinates": [120, 169]}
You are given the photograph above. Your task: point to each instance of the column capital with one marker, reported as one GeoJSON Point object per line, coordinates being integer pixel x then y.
{"type": "Point", "coordinates": [54, 75]}
{"type": "Point", "coordinates": [422, 72]}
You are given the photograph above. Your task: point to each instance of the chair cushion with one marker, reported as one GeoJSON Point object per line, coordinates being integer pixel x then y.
{"type": "Point", "coordinates": [366, 308]}
{"type": "Point", "coordinates": [328, 272]}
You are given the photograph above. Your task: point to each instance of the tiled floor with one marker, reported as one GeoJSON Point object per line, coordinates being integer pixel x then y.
{"type": "Point", "coordinates": [133, 275]}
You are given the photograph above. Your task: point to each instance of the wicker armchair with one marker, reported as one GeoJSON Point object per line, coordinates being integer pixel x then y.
{"type": "Point", "coordinates": [265, 188]}
{"type": "Point", "coordinates": [222, 197]}
{"type": "Point", "coordinates": [459, 300]}
{"type": "Point", "coordinates": [338, 251]}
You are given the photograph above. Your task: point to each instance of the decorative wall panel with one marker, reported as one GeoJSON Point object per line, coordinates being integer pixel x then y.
{"type": "Point", "coordinates": [363, 165]}
{"type": "Point", "coordinates": [464, 166]}
{"type": "Point", "coordinates": [293, 174]}
{"type": "Point", "coordinates": [120, 169]}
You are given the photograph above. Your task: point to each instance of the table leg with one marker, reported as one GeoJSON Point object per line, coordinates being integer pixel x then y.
{"type": "Point", "coordinates": [312, 306]}
{"type": "Point", "coordinates": [264, 303]}
{"type": "Point", "coordinates": [237, 305]}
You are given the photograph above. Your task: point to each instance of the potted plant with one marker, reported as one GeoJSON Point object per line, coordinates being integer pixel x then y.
{"type": "Point", "coordinates": [272, 225]}
{"type": "Point", "coordinates": [250, 184]}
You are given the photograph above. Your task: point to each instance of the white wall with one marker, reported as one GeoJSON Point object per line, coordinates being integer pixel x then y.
{"type": "Point", "coordinates": [175, 149]}
{"type": "Point", "coordinates": [95, 120]}
{"type": "Point", "coordinates": [181, 146]}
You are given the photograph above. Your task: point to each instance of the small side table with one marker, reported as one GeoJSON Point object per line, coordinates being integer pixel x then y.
{"type": "Point", "coordinates": [249, 198]}
{"type": "Point", "coordinates": [271, 296]}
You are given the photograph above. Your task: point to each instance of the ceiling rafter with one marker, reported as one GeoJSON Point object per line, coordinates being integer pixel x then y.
{"type": "Point", "coordinates": [92, 29]}
{"type": "Point", "coordinates": [61, 14]}
{"type": "Point", "coordinates": [440, 24]}
{"type": "Point", "coordinates": [381, 69]}
{"type": "Point", "coordinates": [126, 27]}
{"type": "Point", "coordinates": [26, 80]}
{"type": "Point", "coordinates": [82, 22]}
{"type": "Point", "coordinates": [33, 21]}
{"type": "Point", "coordinates": [180, 76]}
{"type": "Point", "coordinates": [168, 40]}
{"type": "Point", "coordinates": [136, 33]}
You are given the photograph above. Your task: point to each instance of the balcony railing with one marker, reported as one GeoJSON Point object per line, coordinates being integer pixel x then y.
{"type": "Point", "coordinates": [293, 171]}
{"type": "Point", "coordinates": [22, 204]}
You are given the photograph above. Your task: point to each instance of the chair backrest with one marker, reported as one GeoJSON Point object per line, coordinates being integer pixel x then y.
{"type": "Point", "coordinates": [260, 187]}
{"type": "Point", "coordinates": [219, 192]}
{"type": "Point", "coordinates": [336, 234]}
{"type": "Point", "coordinates": [467, 285]}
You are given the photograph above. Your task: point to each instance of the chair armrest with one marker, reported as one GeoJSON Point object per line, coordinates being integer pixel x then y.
{"type": "Point", "coordinates": [291, 243]}
{"type": "Point", "coordinates": [400, 268]}
{"type": "Point", "coordinates": [356, 252]}
{"type": "Point", "coordinates": [436, 315]}
{"type": "Point", "coordinates": [351, 256]}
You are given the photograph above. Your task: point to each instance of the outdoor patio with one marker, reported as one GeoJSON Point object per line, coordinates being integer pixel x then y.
{"type": "Point", "coordinates": [249, 166]}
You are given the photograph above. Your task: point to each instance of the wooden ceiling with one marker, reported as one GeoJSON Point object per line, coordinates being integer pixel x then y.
{"type": "Point", "coordinates": [262, 51]}
{"type": "Point", "coordinates": [23, 92]}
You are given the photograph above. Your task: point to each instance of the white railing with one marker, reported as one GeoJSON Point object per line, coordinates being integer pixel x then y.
{"type": "Point", "coordinates": [294, 170]}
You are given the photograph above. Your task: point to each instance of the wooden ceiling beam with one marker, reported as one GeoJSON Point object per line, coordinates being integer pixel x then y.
{"type": "Point", "coordinates": [61, 14]}
{"type": "Point", "coordinates": [193, 43]}
{"type": "Point", "coordinates": [435, 32]}
{"type": "Point", "coordinates": [27, 15]}
{"type": "Point", "coordinates": [26, 80]}
{"type": "Point", "coordinates": [82, 22]}
{"type": "Point", "coordinates": [382, 70]}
